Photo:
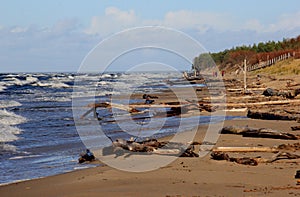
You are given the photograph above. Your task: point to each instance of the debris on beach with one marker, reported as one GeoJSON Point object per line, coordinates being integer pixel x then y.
{"type": "Point", "coordinates": [297, 175]}
{"type": "Point", "coordinates": [284, 155]}
{"type": "Point", "coordinates": [269, 115]}
{"type": "Point", "coordinates": [173, 108]}
{"type": "Point", "coordinates": [283, 93]}
{"type": "Point", "coordinates": [289, 147]}
{"type": "Point", "coordinates": [220, 155]}
{"type": "Point", "coordinates": [87, 156]}
{"type": "Point", "coordinates": [242, 160]}
{"type": "Point", "coordinates": [295, 128]}
{"type": "Point", "coordinates": [150, 146]}
{"type": "Point", "coordinates": [258, 133]}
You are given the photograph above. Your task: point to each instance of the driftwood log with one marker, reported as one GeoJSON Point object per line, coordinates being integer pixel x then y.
{"type": "Point", "coordinates": [151, 146]}
{"type": "Point", "coordinates": [219, 155]}
{"type": "Point", "coordinates": [246, 149]}
{"type": "Point", "coordinates": [270, 115]}
{"type": "Point", "coordinates": [259, 133]}
{"type": "Point", "coordinates": [286, 94]}
{"type": "Point", "coordinates": [225, 156]}
{"type": "Point", "coordinates": [284, 155]}
{"type": "Point", "coordinates": [295, 128]}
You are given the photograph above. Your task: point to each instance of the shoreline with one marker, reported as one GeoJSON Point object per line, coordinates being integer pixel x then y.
{"type": "Point", "coordinates": [232, 114]}
{"type": "Point", "coordinates": [184, 176]}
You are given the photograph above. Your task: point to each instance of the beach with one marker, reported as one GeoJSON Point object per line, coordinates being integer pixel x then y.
{"type": "Point", "coordinates": [183, 177]}
{"type": "Point", "coordinates": [188, 176]}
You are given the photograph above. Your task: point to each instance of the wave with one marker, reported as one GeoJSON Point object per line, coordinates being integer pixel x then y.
{"type": "Point", "coordinates": [2, 86]}
{"type": "Point", "coordinates": [8, 103]}
{"type": "Point", "coordinates": [10, 118]}
{"type": "Point", "coordinates": [113, 76]}
{"type": "Point", "coordinates": [7, 147]}
{"type": "Point", "coordinates": [52, 85]}
{"type": "Point", "coordinates": [31, 79]}
{"type": "Point", "coordinates": [8, 132]}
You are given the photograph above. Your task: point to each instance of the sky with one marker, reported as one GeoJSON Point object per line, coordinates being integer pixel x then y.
{"type": "Point", "coordinates": [57, 35]}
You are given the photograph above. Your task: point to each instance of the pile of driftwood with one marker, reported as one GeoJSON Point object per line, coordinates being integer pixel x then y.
{"type": "Point", "coordinates": [282, 151]}
{"type": "Point", "coordinates": [261, 133]}
{"type": "Point", "coordinates": [150, 146]}
{"type": "Point", "coordinates": [173, 108]}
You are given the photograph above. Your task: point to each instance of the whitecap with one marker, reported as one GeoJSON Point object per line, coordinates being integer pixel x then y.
{"type": "Point", "coordinates": [53, 85]}
{"type": "Point", "coordinates": [71, 77]}
{"type": "Point", "coordinates": [106, 76]}
{"type": "Point", "coordinates": [2, 88]}
{"type": "Point", "coordinates": [8, 147]}
{"type": "Point", "coordinates": [8, 103]}
{"type": "Point", "coordinates": [31, 79]}
{"type": "Point", "coordinates": [10, 118]}
{"type": "Point", "coordinates": [101, 83]}
{"type": "Point", "coordinates": [6, 136]}
{"type": "Point", "coordinates": [8, 133]}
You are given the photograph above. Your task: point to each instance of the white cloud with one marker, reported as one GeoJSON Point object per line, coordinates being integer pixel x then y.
{"type": "Point", "coordinates": [67, 41]}
{"type": "Point", "coordinates": [113, 21]}
{"type": "Point", "coordinates": [254, 25]}
{"type": "Point", "coordinates": [286, 22]}
{"type": "Point", "coordinates": [66, 25]}
{"type": "Point", "coordinates": [116, 20]}
{"type": "Point", "coordinates": [60, 47]}
{"type": "Point", "coordinates": [18, 29]}
{"type": "Point", "coordinates": [198, 20]}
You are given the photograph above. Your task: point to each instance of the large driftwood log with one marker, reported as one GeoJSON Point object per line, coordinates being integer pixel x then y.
{"type": "Point", "coordinates": [217, 155]}
{"type": "Point", "coordinates": [269, 133]}
{"type": "Point", "coordinates": [261, 133]}
{"type": "Point", "coordinates": [246, 149]}
{"type": "Point", "coordinates": [151, 146]}
{"type": "Point", "coordinates": [270, 115]}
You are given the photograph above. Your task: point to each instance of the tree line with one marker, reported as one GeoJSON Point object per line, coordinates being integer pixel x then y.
{"type": "Point", "coordinates": [253, 53]}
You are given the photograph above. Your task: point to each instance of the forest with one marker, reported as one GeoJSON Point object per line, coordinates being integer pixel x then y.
{"type": "Point", "coordinates": [253, 53]}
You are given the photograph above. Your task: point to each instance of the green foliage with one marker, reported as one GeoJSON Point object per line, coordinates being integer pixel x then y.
{"type": "Point", "coordinates": [254, 53]}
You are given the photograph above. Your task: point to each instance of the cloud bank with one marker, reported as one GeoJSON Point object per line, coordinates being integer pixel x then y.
{"type": "Point", "coordinates": [62, 46]}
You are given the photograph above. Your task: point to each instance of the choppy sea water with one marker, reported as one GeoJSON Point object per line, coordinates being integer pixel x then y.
{"type": "Point", "coordinates": [38, 136]}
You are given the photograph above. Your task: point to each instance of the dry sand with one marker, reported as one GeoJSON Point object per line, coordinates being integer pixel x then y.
{"type": "Point", "coordinates": [183, 177]}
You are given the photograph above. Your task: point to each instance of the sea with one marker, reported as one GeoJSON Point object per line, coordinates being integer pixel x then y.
{"type": "Point", "coordinates": [38, 134]}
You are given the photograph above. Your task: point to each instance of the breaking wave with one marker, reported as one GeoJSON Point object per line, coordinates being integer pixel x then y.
{"type": "Point", "coordinates": [8, 103]}
{"type": "Point", "coordinates": [8, 131]}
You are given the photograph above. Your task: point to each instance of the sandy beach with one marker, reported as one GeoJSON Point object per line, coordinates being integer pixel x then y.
{"type": "Point", "coordinates": [187, 176]}
{"type": "Point", "coordinates": [183, 177]}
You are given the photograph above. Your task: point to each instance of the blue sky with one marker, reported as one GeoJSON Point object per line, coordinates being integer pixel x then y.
{"type": "Point", "coordinates": [41, 36]}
